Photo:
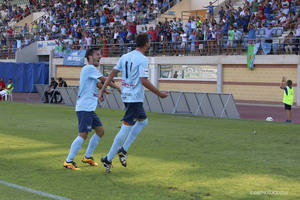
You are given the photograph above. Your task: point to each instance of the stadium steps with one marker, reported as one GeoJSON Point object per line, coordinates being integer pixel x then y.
{"type": "Point", "coordinates": [29, 20]}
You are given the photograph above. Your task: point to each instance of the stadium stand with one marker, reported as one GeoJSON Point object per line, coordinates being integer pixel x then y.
{"type": "Point", "coordinates": [113, 24]}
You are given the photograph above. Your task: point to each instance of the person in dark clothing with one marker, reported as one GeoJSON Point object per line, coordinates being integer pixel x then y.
{"type": "Point", "coordinates": [62, 83]}
{"type": "Point", "coordinates": [50, 91]}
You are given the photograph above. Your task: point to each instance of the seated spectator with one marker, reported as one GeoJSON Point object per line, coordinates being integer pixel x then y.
{"type": "Point", "coordinates": [62, 83]}
{"type": "Point", "coordinates": [2, 84]}
{"type": "Point", "coordinates": [9, 88]}
{"type": "Point", "coordinates": [50, 91]}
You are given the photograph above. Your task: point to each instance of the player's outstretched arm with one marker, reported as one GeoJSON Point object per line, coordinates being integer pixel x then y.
{"type": "Point", "coordinates": [111, 84]}
{"type": "Point", "coordinates": [153, 89]}
{"type": "Point", "coordinates": [107, 82]}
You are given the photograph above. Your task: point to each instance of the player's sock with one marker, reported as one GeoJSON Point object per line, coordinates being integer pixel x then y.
{"type": "Point", "coordinates": [76, 145]}
{"type": "Point", "coordinates": [119, 139]}
{"type": "Point", "coordinates": [94, 141]}
{"type": "Point", "coordinates": [136, 129]}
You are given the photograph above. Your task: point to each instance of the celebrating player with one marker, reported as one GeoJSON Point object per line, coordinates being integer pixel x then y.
{"type": "Point", "coordinates": [85, 109]}
{"type": "Point", "coordinates": [134, 68]}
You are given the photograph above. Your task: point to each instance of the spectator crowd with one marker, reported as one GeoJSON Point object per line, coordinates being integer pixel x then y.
{"type": "Point", "coordinates": [112, 25]}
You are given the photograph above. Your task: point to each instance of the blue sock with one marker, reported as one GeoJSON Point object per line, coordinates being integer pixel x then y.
{"type": "Point", "coordinates": [136, 129]}
{"type": "Point", "coordinates": [119, 139]}
{"type": "Point", "coordinates": [76, 145]}
{"type": "Point", "coordinates": [94, 141]}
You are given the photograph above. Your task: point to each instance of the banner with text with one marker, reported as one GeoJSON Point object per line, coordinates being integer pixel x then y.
{"type": "Point", "coordinates": [75, 58]}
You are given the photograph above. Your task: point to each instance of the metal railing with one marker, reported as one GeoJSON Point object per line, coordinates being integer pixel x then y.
{"type": "Point", "coordinates": [201, 48]}
{"type": "Point", "coordinates": [9, 53]}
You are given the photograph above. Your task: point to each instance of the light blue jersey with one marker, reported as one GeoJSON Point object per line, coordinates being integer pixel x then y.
{"type": "Point", "coordinates": [87, 98]}
{"type": "Point", "coordinates": [133, 66]}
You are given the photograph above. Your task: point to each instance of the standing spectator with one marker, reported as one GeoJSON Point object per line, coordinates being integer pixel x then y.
{"type": "Point", "coordinates": [251, 34]}
{"type": "Point", "coordinates": [153, 37]}
{"type": "Point", "coordinates": [298, 37]}
{"type": "Point", "coordinates": [210, 7]}
{"type": "Point", "coordinates": [183, 36]}
{"type": "Point", "coordinates": [269, 31]}
{"type": "Point", "coordinates": [192, 39]}
{"type": "Point", "coordinates": [219, 36]}
{"type": "Point", "coordinates": [193, 24]}
{"type": "Point", "coordinates": [25, 29]}
{"type": "Point", "coordinates": [174, 36]}
{"type": "Point", "coordinates": [254, 6]}
{"type": "Point", "coordinates": [210, 41]}
{"type": "Point", "coordinates": [221, 12]}
{"type": "Point", "coordinates": [230, 40]}
{"type": "Point", "coordinates": [238, 37]}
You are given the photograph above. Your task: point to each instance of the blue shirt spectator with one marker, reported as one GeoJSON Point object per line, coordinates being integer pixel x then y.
{"type": "Point", "coordinates": [269, 32]}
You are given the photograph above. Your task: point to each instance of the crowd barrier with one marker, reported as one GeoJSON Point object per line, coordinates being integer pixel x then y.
{"type": "Point", "coordinates": [192, 103]}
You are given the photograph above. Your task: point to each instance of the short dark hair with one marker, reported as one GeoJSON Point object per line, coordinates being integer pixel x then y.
{"type": "Point", "coordinates": [141, 40]}
{"type": "Point", "coordinates": [90, 52]}
{"type": "Point", "coordinates": [289, 82]}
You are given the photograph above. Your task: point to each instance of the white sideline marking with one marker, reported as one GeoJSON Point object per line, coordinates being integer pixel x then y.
{"type": "Point", "coordinates": [52, 196]}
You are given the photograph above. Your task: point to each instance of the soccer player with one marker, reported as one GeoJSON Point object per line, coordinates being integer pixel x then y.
{"type": "Point", "coordinates": [134, 68]}
{"type": "Point", "coordinates": [288, 97]}
{"type": "Point", "coordinates": [85, 109]}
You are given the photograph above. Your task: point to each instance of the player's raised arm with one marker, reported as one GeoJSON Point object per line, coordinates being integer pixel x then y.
{"type": "Point", "coordinates": [147, 84]}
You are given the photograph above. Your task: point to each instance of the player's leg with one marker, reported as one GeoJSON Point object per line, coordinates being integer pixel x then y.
{"type": "Point", "coordinates": [94, 141]}
{"type": "Point", "coordinates": [136, 129]}
{"type": "Point", "coordinates": [119, 139]}
{"type": "Point", "coordinates": [84, 126]}
{"type": "Point", "coordinates": [128, 122]}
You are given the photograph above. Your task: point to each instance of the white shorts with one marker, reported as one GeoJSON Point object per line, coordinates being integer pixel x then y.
{"type": "Point", "coordinates": [230, 43]}
{"type": "Point", "coordinates": [3, 93]}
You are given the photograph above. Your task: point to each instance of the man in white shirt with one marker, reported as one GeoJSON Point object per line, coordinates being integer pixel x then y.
{"type": "Point", "coordinates": [183, 36]}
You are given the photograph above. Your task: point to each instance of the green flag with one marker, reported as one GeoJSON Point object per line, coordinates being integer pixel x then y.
{"type": "Point", "coordinates": [250, 56]}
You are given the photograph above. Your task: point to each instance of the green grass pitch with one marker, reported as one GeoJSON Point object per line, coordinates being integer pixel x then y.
{"type": "Point", "coordinates": [175, 157]}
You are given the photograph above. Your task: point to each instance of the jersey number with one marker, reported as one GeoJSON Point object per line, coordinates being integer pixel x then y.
{"type": "Point", "coordinates": [126, 69]}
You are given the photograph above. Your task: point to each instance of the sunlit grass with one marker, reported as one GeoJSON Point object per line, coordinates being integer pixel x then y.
{"type": "Point", "coordinates": [175, 157]}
